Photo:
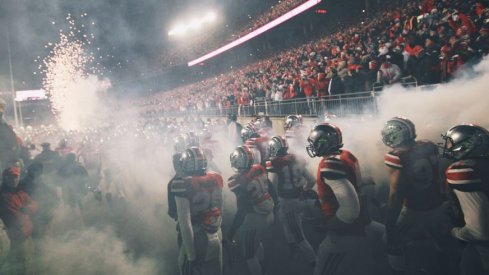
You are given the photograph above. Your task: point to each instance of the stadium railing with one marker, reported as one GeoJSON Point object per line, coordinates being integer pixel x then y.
{"type": "Point", "coordinates": [335, 105]}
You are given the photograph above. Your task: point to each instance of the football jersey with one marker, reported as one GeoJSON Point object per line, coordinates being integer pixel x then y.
{"type": "Point", "coordinates": [205, 196]}
{"type": "Point", "coordinates": [469, 180]}
{"type": "Point", "coordinates": [334, 167]}
{"type": "Point", "coordinates": [252, 186]}
{"type": "Point", "coordinates": [290, 175]}
{"type": "Point", "coordinates": [419, 166]}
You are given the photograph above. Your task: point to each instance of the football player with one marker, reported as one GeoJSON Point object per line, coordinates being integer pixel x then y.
{"type": "Point", "coordinates": [291, 179]}
{"type": "Point", "coordinates": [345, 249]}
{"type": "Point", "coordinates": [468, 180]}
{"type": "Point", "coordinates": [254, 206]}
{"type": "Point", "coordinates": [198, 199]}
{"type": "Point", "coordinates": [414, 207]}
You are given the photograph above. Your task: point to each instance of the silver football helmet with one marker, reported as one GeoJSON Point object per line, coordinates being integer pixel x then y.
{"type": "Point", "coordinates": [242, 158]}
{"type": "Point", "coordinates": [398, 131]}
{"type": "Point", "coordinates": [193, 162]}
{"type": "Point", "coordinates": [277, 146]}
{"type": "Point", "coordinates": [466, 141]}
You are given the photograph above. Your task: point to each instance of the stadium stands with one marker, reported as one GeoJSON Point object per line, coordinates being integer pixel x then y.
{"type": "Point", "coordinates": [425, 42]}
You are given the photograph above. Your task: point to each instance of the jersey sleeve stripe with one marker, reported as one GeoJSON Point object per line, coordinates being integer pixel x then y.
{"type": "Point", "coordinates": [332, 161]}
{"type": "Point", "coordinates": [460, 170]}
{"type": "Point", "coordinates": [469, 175]}
{"type": "Point", "coordinates": [392, 160]}
{"type": "Point", "coordinates": [391, 156]}
{"type": "Point", "coordinates": [178, 190]}
{"type": "Point", "coordinates": [393, 164]}
{"type": "Point", "coordinates": [333, 171]}
{"type": "Point", "coordinates": [234, 186]}
{"type": "Point", "coordinates": [467, 181]}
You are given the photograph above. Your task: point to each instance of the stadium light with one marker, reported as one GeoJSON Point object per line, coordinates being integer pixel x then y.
{"type": "Point", "coordinates": [194, 24]}
{"type": "Point", "coordinates": [298, 10]}
{"type": "Point", "coordinates": [210, 17]}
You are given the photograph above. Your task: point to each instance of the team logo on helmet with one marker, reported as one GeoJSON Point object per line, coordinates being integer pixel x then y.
{"type": "Point", "coordinates": [398, 131]}
{"type": "Point", "coordinates": [277, 146]}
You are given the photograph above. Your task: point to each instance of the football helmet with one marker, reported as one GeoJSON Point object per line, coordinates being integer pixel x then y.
{"type": "Point", "coordinates": [193, 161]}
{"type": "Point", "coordinates": [277, 146]}
{"type": "Point", "coordinates": [324, 139]}
{"type": "Point", "coordinates": [248, 132]}
{"type": "Point", "coordinates": [242, 158]}
{"type": "Point", "coordinates": [398, 131]}
{"type": "Point", "coordinates": [466, 141]}
{"type": "Point", "coordinates": [292, 121]}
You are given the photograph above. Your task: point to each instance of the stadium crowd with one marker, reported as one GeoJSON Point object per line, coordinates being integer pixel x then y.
{"type": "Point", "coordinates": [424, 41]}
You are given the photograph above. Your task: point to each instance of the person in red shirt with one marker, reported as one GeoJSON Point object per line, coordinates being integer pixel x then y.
{"type": "Point", "coordinates": [308, 86]}
{"type": "Point", "coordinates": [16, 208]}
{"type": "Point", "coordinates": [322, 90]}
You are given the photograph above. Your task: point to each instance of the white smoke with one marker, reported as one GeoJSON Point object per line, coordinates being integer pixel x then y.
{"type": "Point", "coordinates": [434, 111]}
{"type": "Point", "coordinates": [70, 78]}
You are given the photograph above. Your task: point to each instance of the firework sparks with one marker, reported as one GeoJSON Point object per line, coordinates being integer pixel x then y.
{"type": "Point", "coordinates": [72, 88]}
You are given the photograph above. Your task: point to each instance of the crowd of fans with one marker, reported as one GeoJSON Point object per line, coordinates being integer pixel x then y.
{"type": "Point", "coordinates": [425, 41]}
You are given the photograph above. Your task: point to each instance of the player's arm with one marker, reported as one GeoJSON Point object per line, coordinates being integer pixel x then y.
{"type": "Point", "coordinates": [236, 187]}
{"type": "Point", "coordinates": [348, 202]}
{"type": "Point", "coordinates": [310, 179]}
{"type": "Point", "coordinates": [184, 221]}
{"type": "Point", "coordinates": [396, 194]}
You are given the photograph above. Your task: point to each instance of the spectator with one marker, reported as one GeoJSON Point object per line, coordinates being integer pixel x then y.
{"type": "Point", "coordinates": [388, 73]}
{"type": "Point", "coordinates": [336, 86]}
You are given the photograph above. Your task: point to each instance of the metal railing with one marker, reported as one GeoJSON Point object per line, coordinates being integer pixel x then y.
{"type": "Point", "coordinates": [341, 105]}
{"type": "Point", "coordinates": [337, 105]}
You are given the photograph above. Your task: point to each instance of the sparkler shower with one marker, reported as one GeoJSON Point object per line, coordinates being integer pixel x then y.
{"type": "Point", "coordinates": [72, 80]}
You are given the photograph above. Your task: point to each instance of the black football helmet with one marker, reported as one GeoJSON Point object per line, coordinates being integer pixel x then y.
{"type": "Point", "coordinates": [324, 139]}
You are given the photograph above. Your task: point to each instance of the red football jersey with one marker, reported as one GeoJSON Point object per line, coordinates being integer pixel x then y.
{"type": "Point", "coordinates": [343, 165]}
{"type": "Point", "coordinates": [205, 196]}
